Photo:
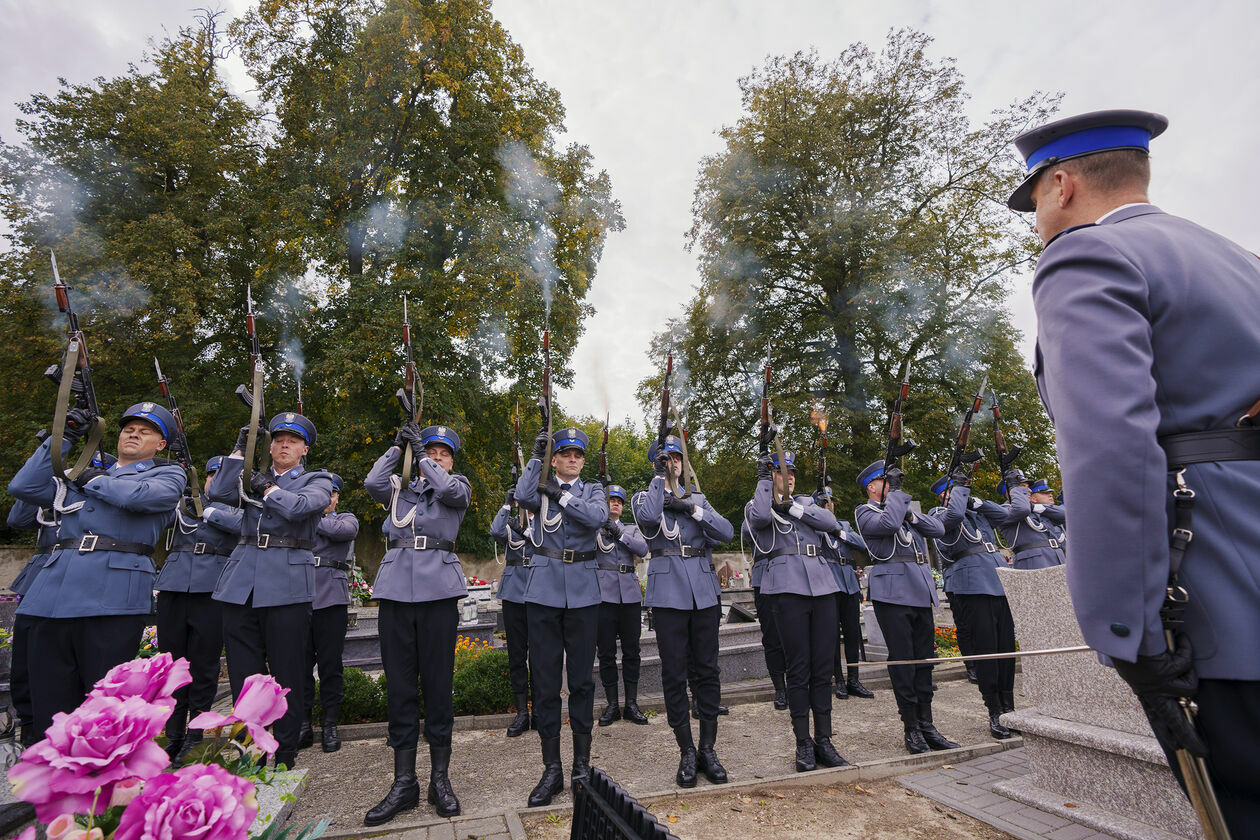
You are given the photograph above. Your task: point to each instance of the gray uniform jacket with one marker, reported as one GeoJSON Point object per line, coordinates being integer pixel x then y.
{"type": "Point", "coordinates": [680, 574]}
{"type": "Point", "coordinates": [1030, 534]}
{"type": "Point", "coordinates": [969, 551]}
{"type": "Point", "coordinates": [835, 550]}
{"type": "Point", "coordinates": [132, 504]}
{"type": "Point", "coordinates": [895, 540]}
{"type": "Point", "coordinates": [570, 525]}
{"type": "Point", "coordinates": [334, 543]}
{"type": "Point", "coordinates": [618, 583]}
{"type": "Point", "coordinates": [795, 565]}
{"type": "Point", "coordinates": [199, 549]}
{"type": "Point", "coordinates": [275, 576]}
{"type": "Point", "coordinates": [1148, 327]}
{"type": "Point", "coordinates": [28, 517]}
{"type": "Point", "coordinates": [434, 507]}
{"type": "Point", "coordinates": [517, 550]}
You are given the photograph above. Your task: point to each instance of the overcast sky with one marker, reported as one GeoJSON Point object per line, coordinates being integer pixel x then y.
{"type": "Point", "coordinates": [647, 85]}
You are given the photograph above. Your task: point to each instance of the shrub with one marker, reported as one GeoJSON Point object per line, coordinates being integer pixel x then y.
{"type": "Point", "coordinates": [364, 699]}
{"type": "Point", "coordinates": [482, 685]}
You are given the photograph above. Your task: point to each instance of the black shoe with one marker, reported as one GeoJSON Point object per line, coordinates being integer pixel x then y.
{"type": "Point", "coordinates": [610, 715]}
{"type": "Point", "coordinates": [825, 753]}
{"type": "Point", "coordinates": [441, 795]}
{"type": "Point", "coordinates": [552, 781]}
{"type": "Point", "coordinates": [631, 713]}
{"type": "Point", "coordinates": [971, 674]}
{"type": "Point", "coordinates": [581, 756]}
{"type": "Point", "coordinates": [841, 693]}
{"type": "Point", "coordinates": [934, 739]}
{"type": "Point", "coordinates": [174, 747]}
{"type": "Point", "coordinates": [192, 739]}
{"type": "Point", "coordinates": [857, 689]}
{"type": "Point", "coordinates": [996, 729]}
{"type": "Point", "coordinates": [706, 756]}
{"type": "Point", "coordinates": [686, 776]}
{"type": "Point", "coordinates": [306, 736]}
{"type": "Point", "coordinates": [723, 710]}
{"type": "Point", "coordinates": [286, 757]}
{"type": "Point", "coordinates": [404, 793]}
{"type": "Point", "coordinates": [914, 741]}
{"type": "Point", "coordinates": [330, 739]}
{"type": "Point", "coordinates": [805, 755]}
{"type": "Point", "coordinates": [780, 699]}
{"type": "Point", "coordinates": [519, 723]}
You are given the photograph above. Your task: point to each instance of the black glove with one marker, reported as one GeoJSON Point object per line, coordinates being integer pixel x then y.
{"type": "Point", "coordinates": [510, 497]}
{"type": "Point", "coordinates": [1159, 682]}
{"type": "Point", "coordinates": [676, 505]}
{"type": "Point", "coordinates": [412, 434]}
{"type": "Point", "coordinates": [782, 508]}
{"type": "Point", "coordinates": [89, 474]}
{"type": "Point", "coordinates": [552, 489]}
{"type": "Point", "coordinates": [613, 528]}
{"type": "Point", "coordinates": [514, 526]}
{"type": "Point", "coordinates": [400, 438]}
{"type": "Point", "coordinates": [894, 477]}
{"type": "Point", "coordinates": [661, 465]}
{"type": "Point", "coordinates": [540, 443]}
{"type": "Point", "coordinates": [242, 439]}
{"type": "Point", "coordinates": [259, 482]}
{"type": "Point", "coordinates": [77, 422]}
{"type": "Point", "coordinates": [544, 412]}
{"type": "Point", "coordinates": [763, 468]}
{"type": "Point", "coordinates": [1012, 479]}
{"type": "Point", "coordinates": [960, 477]}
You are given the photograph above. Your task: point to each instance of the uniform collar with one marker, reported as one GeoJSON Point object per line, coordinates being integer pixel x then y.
{"type": "Point", "coordinates": [575, 486]}
{"type": "Point", "coordinates": [292, 473]}
{"type": "Point", "coordinates": [1124, 211]}
{"type": "Point", "coordinates": [138, 466]}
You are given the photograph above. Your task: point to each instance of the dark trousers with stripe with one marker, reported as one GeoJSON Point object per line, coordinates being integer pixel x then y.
{"type": "Point", "coordinates": [807, 628]}
{"type": "Point", "coordinates": [776, 665]}
{"type": "Point", "coordinates": [849, 623]}
{"type": "Point", "coordinates": [418, 643]}
{"type": "Point", "coordinates": [325, 646]}
{"type": "Point", "coordinates": [190, 625]}
{"type": "Point", "coordinates": [270, 640]}
{"type": "Point", "coordinates": [989, 629]}
{"type": "Point", "coordinates": [562, 641]}
{"type": "Point", "coordinates": [516, 629]}
{"type": "Point", "coordinates": [619, 622]}
{"type": "Point", "coordinates": [684, 636]}
{"type": "Point", "coordinates": [66, 656]}
{"type": "Point", "coordinates": [909, 633]}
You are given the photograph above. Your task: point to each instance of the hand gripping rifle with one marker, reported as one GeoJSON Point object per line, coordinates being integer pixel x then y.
{"type": "Point", "coordinates": [179, 445]}
{"type": "Point", "coordinates": [253, 396]}
{"type": "Point", "coordinates": [76, 378]}
{"type": "Point", "coordinates": [1006, 456]}
{"type": "Point", "coordinates": [769, 434]}
{"type": "Point", "coordinates": [898, 444]}
{"type": "Point", "coordinates": [410, 396]}
{"type": "Point", "coordinates": [960, 455]}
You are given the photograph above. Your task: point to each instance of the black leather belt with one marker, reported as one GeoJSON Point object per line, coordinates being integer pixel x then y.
{"type": "Point", "coordinates": [178, 548]}
{"type": "Point", "coordinates": [619, 568]}
{"type": "Point", "coordinates": [1050, 542]}
{"type": "Point", "coordinates": [518, 561]}
{"type": "Point", "coordinates": [207, 548]}
{"type": "Point", "coordinates": [903, 558]}
{"type": "Point", "coordinates": [422, 543]}
{"type": "Point", "coordinates": [567, 555]}
{"type": "Point", "coordinates": [1214, 445]}
{"type": "Point", "coordinates": [682, 551]}
{"type": "Point", "coordinates": [91, 542]}
{"type": "Point", "coordinates": [325, 563]}
{"type": "Point", "coordinates": [976, 548]}
{"type": "Point", "coordinates": [270, 541]}
{"type": "Point", "coordinates": [804, 551]}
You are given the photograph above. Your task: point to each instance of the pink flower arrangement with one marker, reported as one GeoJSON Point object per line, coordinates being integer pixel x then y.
{"type": "Point", "coordinates": [154, 680]}
{"type": "Point", "coordinates": [260, 704]}
{"type": "Point", "coordinates": [199, 801]}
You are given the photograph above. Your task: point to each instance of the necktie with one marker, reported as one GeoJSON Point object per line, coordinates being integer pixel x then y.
{"type": "Point", "coordinates": [566, 487]}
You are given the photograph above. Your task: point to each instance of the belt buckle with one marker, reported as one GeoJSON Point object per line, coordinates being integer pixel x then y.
{"type": "Point", "coordinates": [420, 543]}
{"type": "Point", "coordinates": [1053, 542]}
{"type": "Point", "coordinates": [525, 564]}
{"type": "Point", "coordinates": [264, 540]}
{"type": "Point", "coordinates": [199, 548]}
{"type": "Point", "coordinates": [88, 542]}
{"type": "Point", "coordinates": [568, 555]}
{"type": "Point", "coordinates": [692, 551]}
{"type": "Point", "coordinates": [990, 547]}
{"type": "Point", "coordinates": [317, 561]}
{"type": "Point", "coordinates": [811, 551]}
{"type": "Point", "coordinates": [625, 569]}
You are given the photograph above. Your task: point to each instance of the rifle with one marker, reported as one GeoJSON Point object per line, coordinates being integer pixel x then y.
{"type": "Point", "coordinates": [75, 368]}
{"type": "Point", "coordinates": [960, 455]}
{"type": "Point", "coordinates": [518, 459]}
{"type": "Point", "coordinates": [662, 432]}
{"type": "Point", "coordinates": [1006, 456]}
{"type": "Point", "coordinates": [691, 481]}
{"type": "Point", "coordinates": [179, 446]}
{"type": "Point", "coordinates": [603, 475]}
{"type": "Point", "coordinates": [767, 420]}
{"type": "Point", "coordinates": [822, 459]}
{"type": "Point", "coordinates": [253, 396]}
{"type": "Point", "coordinates": [412, 404]}
{"type": "Point", "coordinates": [301, 409]}
{"type": "Point", "coordinates": [544, 406]}
{"type": "Point", "coordinates": [898, 445]}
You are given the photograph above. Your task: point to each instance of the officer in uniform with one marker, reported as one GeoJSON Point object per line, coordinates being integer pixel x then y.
{"type": "Point", "coordinates": [685, 596]}
{"type": "Point", "coordinates": [1041, 496]}
{"type": "Point", "coordinates": [620, 610]}
{"type": "Point", "coordinates": [334, 551]}
{"type": "Point", "coordinates": [903, 594]}
{"type": "Point", "coordinates": [970, 560]}
{"type": "Point", "coordinates": [92, 599]}
{"type": "Point", "coordinates": [1146, 360]}
{"type": "Point", "coordinates": [507, 531]}
{"type": "Point", "coordinates": [771, 644]}
{"type": "Point", "coordinates": [801, 590]}
{"type": "Point", "coordinates": [418, 587]}
{"type": "Point", "coordinates": [835, 547]}
{"type": "Point", "coordinates": [268, 583]}
{"type": "Point", "coordinates": [562, 600]}
{"type": "Point", "coordinates": [189, 620]}
{"type": "Point", "coordinates": [1030, 530]}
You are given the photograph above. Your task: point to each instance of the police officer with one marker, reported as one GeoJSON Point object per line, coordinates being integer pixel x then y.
{"type": "Point", "coordinates": [771, 644]}
{"type": "Point", "coordinates": [418, 587]}
{"type": "Point", "coordinates": [1029, 529]}
{"type": "Point", "coordinates": [620, 610]}
{"type": "Point", "coordinates": [334, 552]}
{"type": "Point", "coordinates": [189, 620]}
{"type": "Point", "coordinates": [562, 600]}
{"type": "Point", "coordinates": [970, 560]}
{"type": "Point", "coordinates": [835, 547]}
{"type": "Point", "coordinates": [507, 530]}
{"type": "Point", "coordinates": [91, 601]}
{"type": "Point", "coordinates": [800, 589]}
{"type": "Point", "coordinates": [1041, 497]}
{"type": "Point", "coordinates": [685, 596]}
{"type": "Point", "coordinates": [1146, 355]}
{"type": "Point", "coordinates": [903, 594]}
{"type": "Point", "coordinates": [268, 583]}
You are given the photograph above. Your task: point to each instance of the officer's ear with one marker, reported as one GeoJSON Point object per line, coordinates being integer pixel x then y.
{"type": "Point", "coordinates": [161, 444]}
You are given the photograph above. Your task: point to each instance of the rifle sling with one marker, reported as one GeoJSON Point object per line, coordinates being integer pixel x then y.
{"type": "Point", "coordinates": [74, 351]}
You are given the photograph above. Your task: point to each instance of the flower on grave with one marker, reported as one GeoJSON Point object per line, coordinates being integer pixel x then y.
{"type": "Point", "coordinates": [154, 680]}
{"type": "Point", "coordinates": [85, 753]}
{"type": "Point", "coordinates": [260, 704]}
{"type": "Point", "coordinates": [28, 833]}
{"type": "Point", "coordinates": [200, 801]}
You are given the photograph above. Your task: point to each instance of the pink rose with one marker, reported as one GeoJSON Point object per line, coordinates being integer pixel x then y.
{"type": "Point", "coordinates": [261, 704]}
{"type": "Point", "coordinates": [126, 791]}
{"type": "Point", "coordinates": [154, 679]}
{"type": "Point", "coordinates": [198, 802]}
{"type": "Point", "coordinates": [104, 741]}
{"type": "Point", "coordinates": [60, 827]}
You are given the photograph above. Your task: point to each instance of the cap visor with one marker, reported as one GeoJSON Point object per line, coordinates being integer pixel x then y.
{"type": "Point", "coordinates": [1021, 200]}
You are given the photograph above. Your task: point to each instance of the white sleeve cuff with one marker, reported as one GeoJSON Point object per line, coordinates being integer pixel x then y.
{"type": "Point", "coordinates": [1038, 508]}
{"type": "Point", "coordinates": [235, 457]}
{"type": "Point", "coordinates": [796, 510]}
{"type": "Point", "coordinates": [697, 513]}
{"type": "Point", "coordinates": [506, 507]}
{"type": "Point", "coordinates": [976, 504]}
{"type": "Point", "coordinates": [565, 498]}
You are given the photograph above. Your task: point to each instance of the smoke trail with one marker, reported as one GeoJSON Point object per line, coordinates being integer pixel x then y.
{"type": "Point", "coordinates": [535, 196]}
{"type": "Point", "coordinates": [291, 352]}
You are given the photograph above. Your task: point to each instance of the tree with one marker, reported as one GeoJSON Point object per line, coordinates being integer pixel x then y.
{"type": "Point", "coordinates": [855, 224]}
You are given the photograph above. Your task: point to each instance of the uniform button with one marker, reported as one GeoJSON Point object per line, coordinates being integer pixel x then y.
{"type": "Point", "coordinates": [1119, 629]}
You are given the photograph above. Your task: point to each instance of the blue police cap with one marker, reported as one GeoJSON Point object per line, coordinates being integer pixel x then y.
{"type": "Point", "coordinates": [337, 482]}
{"type": "Point", "coordinates": [1084, 134]}
{"type": "Point", "coordinates": [153, 414]}
{"type": "Point", "coordinates": [616, 491]}
{"type": "Point", "coordinates": [672, 444]}
{"type": "Point", "coordinates": [872, 472]}
{"type": "Point", "coordinates": [1039, 485]}
{"type": "Point", "coordinates": [789, 456]}
{"type": "Point", "coordinates": [440, 434]}
{"type": "Point", "coordinates": [213, 464]}
{"type": "Point", "coordinates": [568, 439]}
{"type": "Point", "coordinates": [293, 423]}
{"type": "Point", "coordinates": [941, 485]}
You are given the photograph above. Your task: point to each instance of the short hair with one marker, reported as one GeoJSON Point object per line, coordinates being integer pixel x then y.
{"type": "Point", "coordinates": [1114, 170]}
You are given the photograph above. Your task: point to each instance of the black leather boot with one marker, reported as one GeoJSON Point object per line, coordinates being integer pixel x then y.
{"type": "Point", "coordinates": [306, 736]}
{"type": "Point", "coordinates": [996, 729]}
{"type": "Point", "coordinates": [855, 687]}
{"type": "Point", "coordinates": [971, 673]}
{"type": "Point", "coordinates": [286, 757]}
{"type": "Point", "coordinates": [175, 735]}
{"type": "Point", "coordinates": [192, 738]}
{"type": "Point", "coordinates": [934, 739]}
{"type": "Point", "coordinates": [1007, 701]}
{"type": "Point", "coordinates": [631, 712]}
{"type": "Point", "coordinates": [915, 744]}
{"type": "Point", "coordinates": [552, 781]}
{"type": "Point", "coordinates": [723, 710]}
{"type": "Point", "coordinates": [521, 722]}
{"type": "Point", "coordinates": [780, 691]}
{"type": "Point", "coordinates": [581, 755]}
{"type": "Point", "coordinates": [825, 752]}
{"type": "Point", "coordinates": [404, 793]}
{"type": "Point", "coordinates": [329, 738]}
{"type": "Point", "coordinates": [441, 794]}
{"type": "Point", "coordinates": [612, 712]}
{"type": "Point", "coordinates": [686, 776]}
{"type": "Point", "coordinates": [706, 756]}
{"type": "Point", "coordinates": [805, 760]}
{"type": "Point", "coordinates": [841, 692]}
{"type": "Point", "coordinates": [174, 746]}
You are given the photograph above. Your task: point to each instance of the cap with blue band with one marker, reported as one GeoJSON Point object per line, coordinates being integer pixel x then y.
{"type": "Point", "coordinates": [153, 414]}
{"type": "Point", "coordinates": [616, 491]}
{"type": "Point", "coordinates": [672, 445]}
{"type": "Point", "coordinates": [569, 439]}
{"type": "Point", "coordinates": [872, 472]}
{"type": "Point", "coordinates": [293, 423]}
{"type": "Point", "coordinates": [440, 434]}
